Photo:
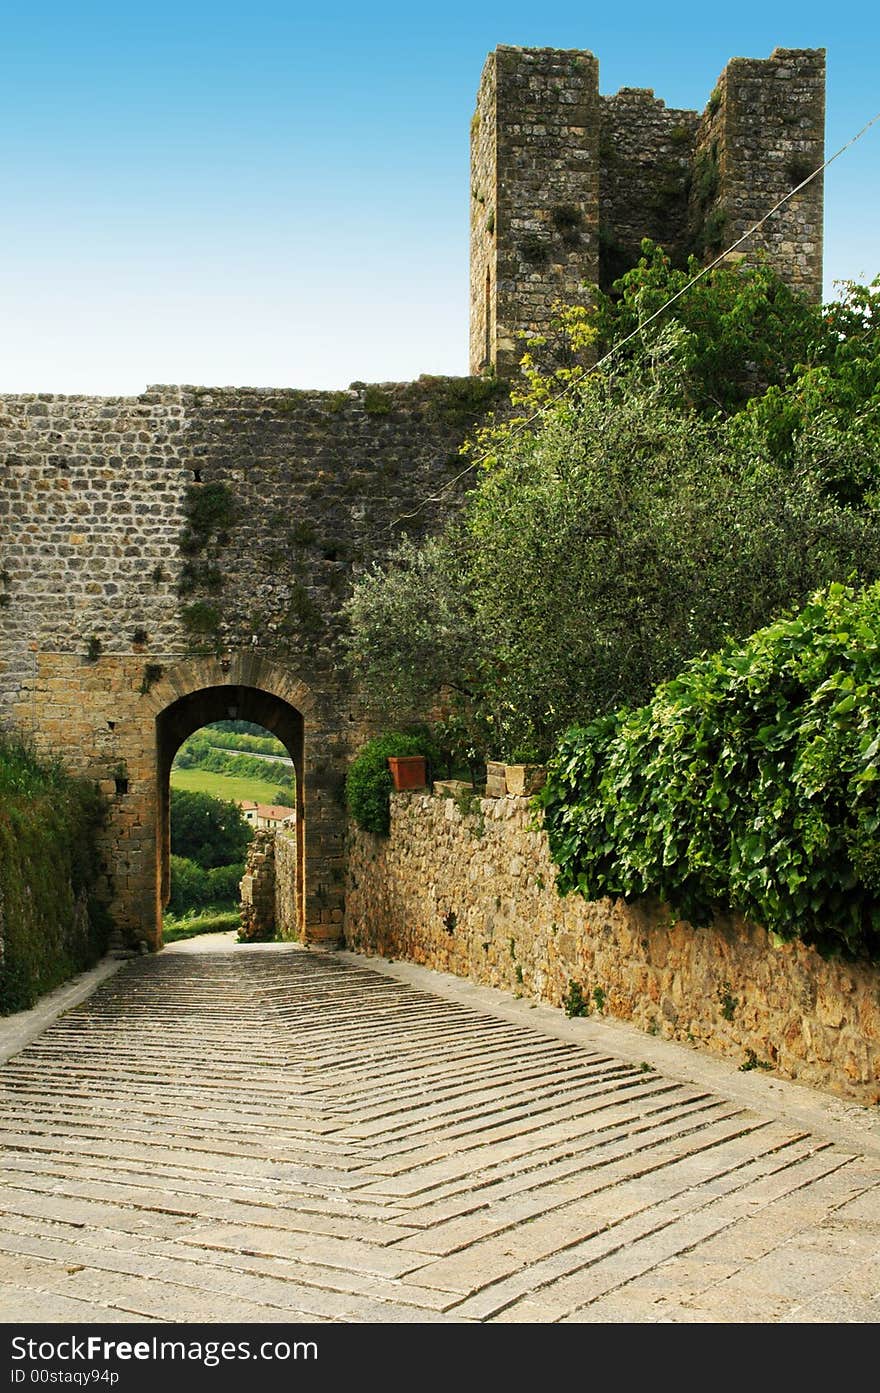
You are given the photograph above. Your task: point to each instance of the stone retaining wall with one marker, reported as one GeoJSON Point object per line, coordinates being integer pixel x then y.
{"type": "Point", "coordinates": [257, 889]}
{"type": "Point", "coordinates": [473, 893]}
{"type": "Point", "coordinates": [286, 918]}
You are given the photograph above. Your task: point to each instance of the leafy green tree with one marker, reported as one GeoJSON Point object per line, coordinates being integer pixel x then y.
{"type": "Point", "coordinates": [415, 642]}
{"type": "Point", "coordinates": [741, 328]}
{"type": "Point", "coordinates": [828, 411]}
{"type": "Point", "coordinates": [368, 783]}
{"type": "Point", "coordinates": [206, 830]}
{"type": "Point", "coordinates": [616, 530]}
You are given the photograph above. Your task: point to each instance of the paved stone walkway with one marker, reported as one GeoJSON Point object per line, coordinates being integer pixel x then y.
{"type": "Point", "coordinates": [272, 1134]}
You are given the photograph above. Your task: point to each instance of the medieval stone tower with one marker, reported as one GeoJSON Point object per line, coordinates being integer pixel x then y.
{"type": "Point", "coordinates": [565, 183]}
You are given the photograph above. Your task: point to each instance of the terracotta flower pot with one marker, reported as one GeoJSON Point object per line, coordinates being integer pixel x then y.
{"type": "Point", "coordinates": [408, 771]}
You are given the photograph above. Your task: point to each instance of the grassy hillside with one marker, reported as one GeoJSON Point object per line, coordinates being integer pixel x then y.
{"type": "Point", "coordinates": [227, 786]}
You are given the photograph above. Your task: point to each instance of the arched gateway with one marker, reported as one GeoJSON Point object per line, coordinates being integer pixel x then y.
{"type": "Point", "coordinates": [280, 704]}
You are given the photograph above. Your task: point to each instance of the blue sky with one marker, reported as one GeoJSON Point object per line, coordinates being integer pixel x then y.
{"type": "Point", "coordinates": [277, 194]}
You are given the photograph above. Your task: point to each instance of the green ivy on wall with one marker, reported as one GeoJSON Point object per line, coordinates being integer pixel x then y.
{"type": "Point", "coordinates": [750, 783]}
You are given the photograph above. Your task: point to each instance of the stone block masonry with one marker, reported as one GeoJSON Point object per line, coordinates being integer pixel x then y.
{"type": "Point", "coordinates": [188, 552]}
{"type": "Point", "coordinates": [473, 894]}
{"type": "Point", "coordinates": [257, 890]}
{"type": "Point", "coordinates": [566, 183]}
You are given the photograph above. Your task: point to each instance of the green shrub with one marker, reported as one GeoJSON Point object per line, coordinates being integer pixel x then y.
{"type": "Point", "coordinates": [208, 508]}
{"type": "Point", "coordinates": [210, 831]}
{"type": "Point", "coordinates": [189, 885]}
{"type": "Point", "coordinates": [214, 919]}
{"type": "Point", "coordinates": [750, 783]}
{"type": "Point", "coordinates": [368, 784]}
{"type": "Point", "coordinates": [54, 925]}
{"type": "Point", "coordinates": [194, 886]}
{"type": "Point", "coordinates": [223, 883]}
{"type": "Point", "coordinates": [200, 618]}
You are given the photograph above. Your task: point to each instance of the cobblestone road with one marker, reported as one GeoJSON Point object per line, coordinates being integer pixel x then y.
{"type": "Point", "coordinates": [230, 1133]}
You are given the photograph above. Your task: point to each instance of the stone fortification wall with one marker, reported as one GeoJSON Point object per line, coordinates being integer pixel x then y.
{"type": "Point", "coordinates": [472, 892]}
{"type": "Point", "coordinates": [646, 153]}
{"type": "Point", "coordinates": [534, 193]}
{"type": "Point", "coordinates": [196, 539]}
{"type": "Point", "coordinates": [257, 889]}
{"type": "Point", "coordinates": [770, 136]}
{"type": "Point", "coordinates": [286, 888]}
{"type": "Point", "coordinates": [565, 183]}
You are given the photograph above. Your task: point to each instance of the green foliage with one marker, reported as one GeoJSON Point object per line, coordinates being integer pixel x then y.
{"type": "Point", "coordinates": [194, 886]}
{"type": "Point", "coordinates": [741, 328]}
{"type": "Point", "coordinates": [215, 751]}
{"type": "Point", "coordinates": [93, 649]}
{"type": "Point", "coordinates": [752, 1061]}
{"type": "Point", "coordinates": [217, 736]}
{"type": "Point", "coordinates": [413, 633]}
{"type": "Point", "coordinates": [209, 510]}
{"type": "Point", "coordinates": [469, 806]}
{"type": "Point", "coordinates": [54, 925]}
{"type": "Point", "coordinates": [706, 177]}
{"type": "Point", "coordinates": [623, 539]}
{"type": "Point", "coordinates": [728, 1001]}
{"type": "Point", "coordinates": [624, 521]}
{"type": "Point", "coordinates": [714, 230]}
{"type": "Point", "coordinates": [376, 402]}
{"type": "Point", "coordinates": [302, 615]}
{"type": "Point", "coordinates": [750, 783]}
{"type": "Point", "coordinates": [195, 575]}
{"type": "Point", "coordinates": [829, 408]}
{"type": "Point", "coordinates": [201, 618]}
{"type": "Point", "coordinates": [152, 674]}
{"type": "Point", "coordinates": [568, 221]}
{"type": "Point", "coordinates": [25, 774]}
{"type": "Point", "coordinates": [206, 830]}
{"type": "Point", "coordinates": [237, 727]}
{"type": "Point", "coordinates": [534, 249]}
{"type": "Point", "coordinates": [212, 920]}
{"type": "Point", "coordinates": [574, 1002]}
{"type": "Point", "coordinates": [368, 783]}
{"type": "Point", "coordinates": [457, 400]}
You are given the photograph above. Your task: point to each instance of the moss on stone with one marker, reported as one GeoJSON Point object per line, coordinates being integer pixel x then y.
{"type": "Point", "coordinates": [52, 923]}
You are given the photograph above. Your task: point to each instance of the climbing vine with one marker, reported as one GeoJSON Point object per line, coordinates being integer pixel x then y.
{"type": "Point", "coordinates": [750, 782]}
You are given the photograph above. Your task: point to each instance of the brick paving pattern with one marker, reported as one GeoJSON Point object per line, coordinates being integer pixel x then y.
{"type": "Point", "coordinates": [284, 1135]}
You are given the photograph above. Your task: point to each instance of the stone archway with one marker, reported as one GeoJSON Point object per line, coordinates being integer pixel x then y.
{"type": "Point", "coordinates": [195, 693]}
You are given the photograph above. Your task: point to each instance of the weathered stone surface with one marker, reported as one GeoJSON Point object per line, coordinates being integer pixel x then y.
{"type": "Point", "coordinates": [474, 894]}
{"type": "Point", "coordinates": [566, 183]}
{"type": "Point", "coordinates": [258, 889]}
{"type": "Point", "coordinates": [335, 1140]}
{"type": "Point", "coordinates": [99, 565]}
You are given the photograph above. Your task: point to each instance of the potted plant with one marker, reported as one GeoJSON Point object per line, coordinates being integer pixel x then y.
{"type": "Point", "coordinates": [408, 771]}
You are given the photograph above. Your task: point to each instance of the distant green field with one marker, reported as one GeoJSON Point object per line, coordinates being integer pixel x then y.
{"type": "Point", "coordinates": [226, 786]}
{"type": "Point", "coordinates": [209, 921]}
